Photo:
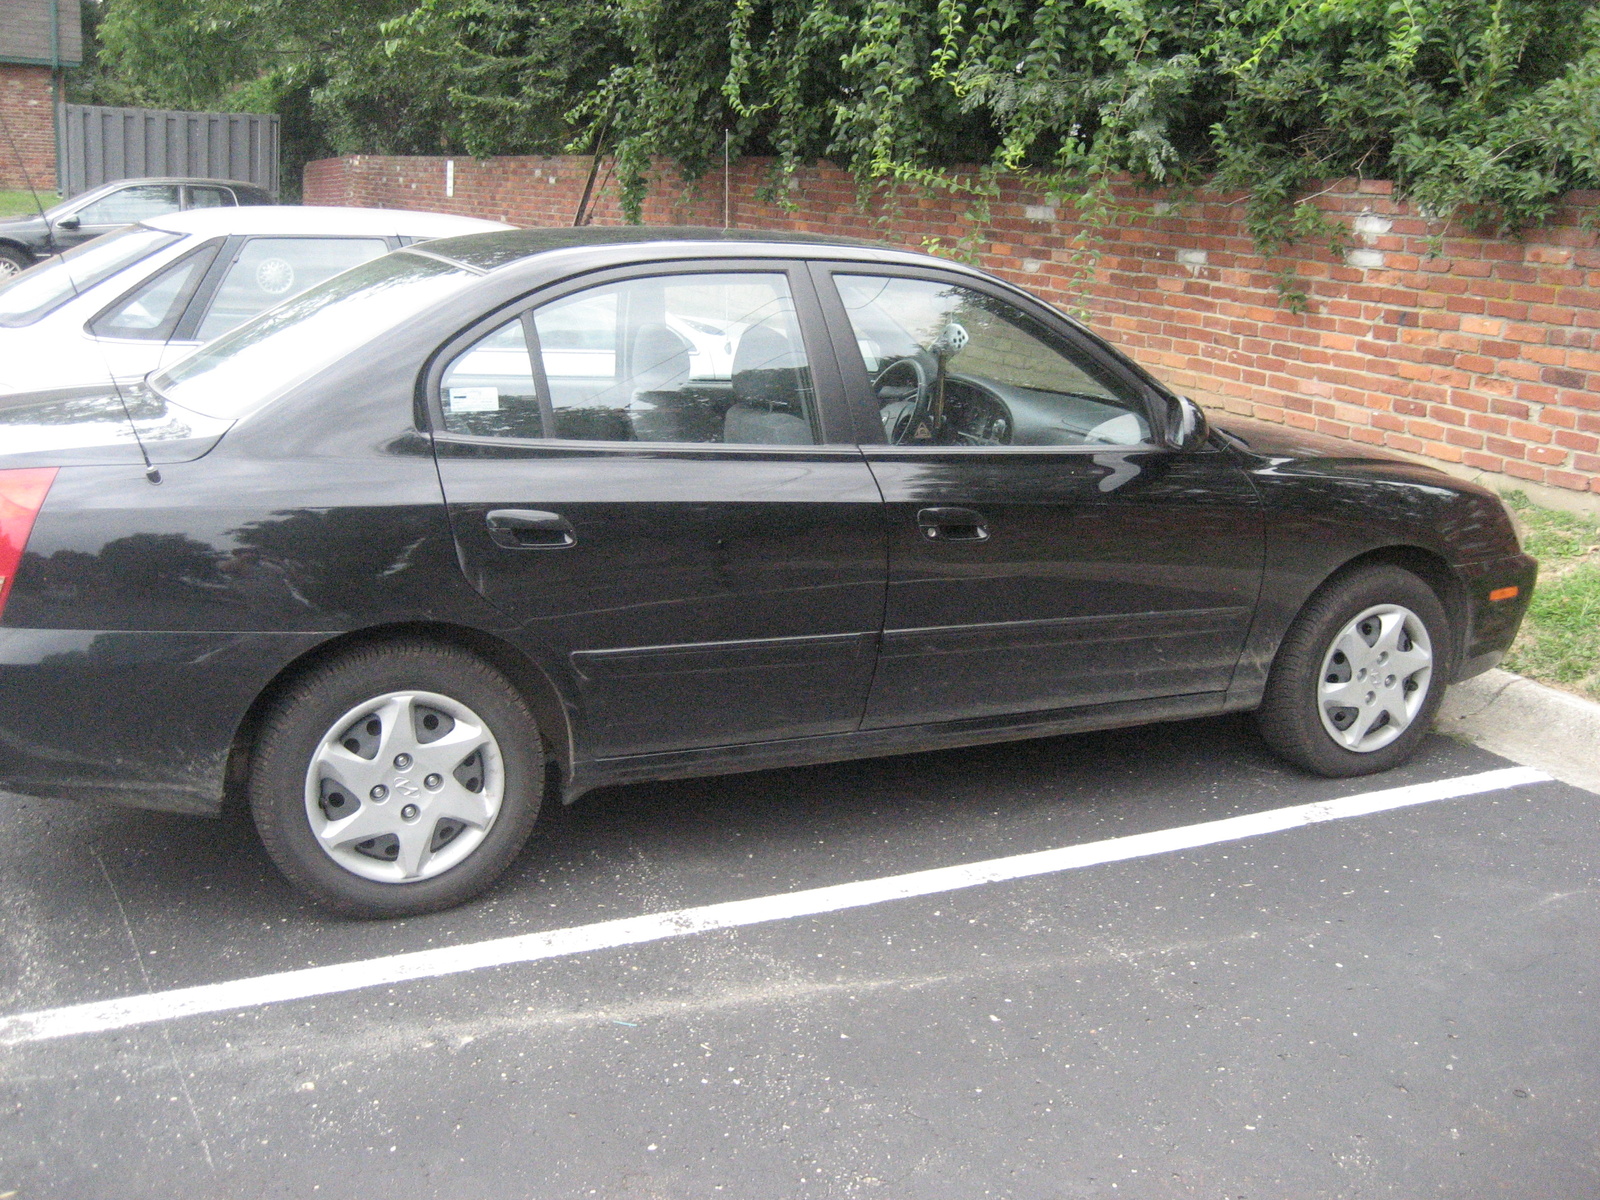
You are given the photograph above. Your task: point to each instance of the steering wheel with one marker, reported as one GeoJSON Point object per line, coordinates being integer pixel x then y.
{"type": "Point", "coordinates": [903, 406]}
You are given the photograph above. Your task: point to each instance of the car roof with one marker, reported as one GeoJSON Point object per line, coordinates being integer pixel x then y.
{"type": "Point", "coordinates": [337, 222]}
{"type": "Point", "coordinates": [490, 251]}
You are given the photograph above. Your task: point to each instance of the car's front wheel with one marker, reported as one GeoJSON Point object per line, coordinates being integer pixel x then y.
{"type": "Point", "coordinates": [1360, 674]}
{"type": "Point", "coordinates": [397, 779]}
{"type": "Point", "coordinates": [13, 262]}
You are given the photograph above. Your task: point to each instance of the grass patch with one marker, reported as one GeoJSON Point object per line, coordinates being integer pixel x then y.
{"type": "Point", "coordinates": [20, 204]}
{"type": "Point", "coordinates": [1560, 638]}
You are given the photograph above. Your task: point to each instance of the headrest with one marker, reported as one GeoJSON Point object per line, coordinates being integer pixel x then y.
{"type": "Point", "coordinates": [767, 369]}
{"type": "Point", "coordinates": [660, 359]}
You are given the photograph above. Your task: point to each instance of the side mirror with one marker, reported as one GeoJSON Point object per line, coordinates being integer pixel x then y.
{"type": "Point", "coordinates": [69, 222]}
{"type": "Point", "coordinates": [1187, 427]}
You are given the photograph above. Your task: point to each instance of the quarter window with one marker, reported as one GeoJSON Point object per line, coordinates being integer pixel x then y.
{"type": "Point", "coordinates": [703, 359]}
{"type": "Point", "coordinates": [952, 366]}
{"type": "Point", "coordinates": [151, 311]}
{"type": "Point", "coordinates": [489, 390]}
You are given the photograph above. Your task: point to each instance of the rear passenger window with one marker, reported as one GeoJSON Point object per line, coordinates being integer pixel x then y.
{"type": "Point", "coordinates": [270, 270]}
{"type": "Point", "coordinates": [210, 197]}
{"type": "Point", "coordinates": [707, 359]}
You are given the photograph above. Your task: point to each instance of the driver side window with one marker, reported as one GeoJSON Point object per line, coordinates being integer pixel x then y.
{"type": "Point", "coordinates": [952, 366]}
{"type": "Point", "coordinates": [129, 204]}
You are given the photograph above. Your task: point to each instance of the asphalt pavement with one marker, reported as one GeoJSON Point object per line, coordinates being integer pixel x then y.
{"type": "Point", "coordinates": [1398, 1004]}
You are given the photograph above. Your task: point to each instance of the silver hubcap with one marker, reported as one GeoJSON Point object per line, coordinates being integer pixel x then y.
{"type": "Point", "coordinates": [1375, 678]}
{"type": "Point", "coordinates": [404, 787]}
{"type": "Point", "coordinates": [9, 269]}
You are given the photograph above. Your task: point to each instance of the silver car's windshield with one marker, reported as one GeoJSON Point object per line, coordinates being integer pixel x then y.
{"type": "Point", "coordinates": [41, 290]}
{"type": "Point", "coordinates": [299, 337]}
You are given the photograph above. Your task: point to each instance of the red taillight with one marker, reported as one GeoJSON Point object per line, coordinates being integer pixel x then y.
{"type": "Point", "coordinates": [22, 494]}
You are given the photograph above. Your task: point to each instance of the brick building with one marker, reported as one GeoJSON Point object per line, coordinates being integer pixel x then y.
{"type": "Point", "coordinates": [38, 38]}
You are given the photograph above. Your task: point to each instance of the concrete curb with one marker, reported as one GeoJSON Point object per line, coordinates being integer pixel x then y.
{"type": "Point", "coordinates": [1528, 723]}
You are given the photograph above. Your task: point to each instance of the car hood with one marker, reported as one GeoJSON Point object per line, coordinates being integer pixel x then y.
{"type": "Point", "coordinates": [1314, 452]}
{"type": "Point", "coordinates": [32, 223]}
{"type": "Point", "coordinates": [85, 426]}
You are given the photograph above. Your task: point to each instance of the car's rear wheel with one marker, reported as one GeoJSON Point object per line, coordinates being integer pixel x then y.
{"type": "Point", "coordinates": [12, 263]}
{"type": "Point", "coordinates": [397, 779]}
{"type": "Point", "coordinates": [1360, 674]}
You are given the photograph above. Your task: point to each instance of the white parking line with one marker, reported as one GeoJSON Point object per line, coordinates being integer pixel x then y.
{"type": "Point", "coordinates": [103, 1015]}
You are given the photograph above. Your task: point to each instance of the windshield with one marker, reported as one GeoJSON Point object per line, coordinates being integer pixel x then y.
{"type": "Point", "coordinates": [293, 341]}
{"type": "Point", "coordinates": [45, 288]}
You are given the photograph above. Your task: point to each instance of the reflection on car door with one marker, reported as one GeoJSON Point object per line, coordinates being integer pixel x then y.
{"type": "Point", "coordinates": [648, 474]}
{"type": "Point", "coordinates": [1043, 552]}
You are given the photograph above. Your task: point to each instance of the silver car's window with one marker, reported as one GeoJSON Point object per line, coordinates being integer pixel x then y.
{"type": "Point", "coordinates": [705, 359]}
{"type": "Point", "coordinates": [130, 204]}
{"type": "Point", "coordinates": [300, 337]}
{"type": "Point", "coordinates": [270, 270]}
{"type": "Point", "coordinates": [952, 366]}
{"type": "Point", "coordinates": [41, 290]}
{"type": "Point", "coordinates": [151, 311]}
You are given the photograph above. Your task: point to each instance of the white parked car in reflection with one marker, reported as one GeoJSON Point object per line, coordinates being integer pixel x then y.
{"type": "Point", "coordinates": [140, 298]}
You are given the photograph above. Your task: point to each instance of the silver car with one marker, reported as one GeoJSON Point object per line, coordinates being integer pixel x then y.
{"type": "Point", "coordinates": [136, 300]}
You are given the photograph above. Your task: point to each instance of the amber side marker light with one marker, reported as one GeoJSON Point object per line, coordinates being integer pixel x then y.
{"type": "Point", "coordinates": [22, 494]}
{"type": "Point", "coordinates": [1505, 593]}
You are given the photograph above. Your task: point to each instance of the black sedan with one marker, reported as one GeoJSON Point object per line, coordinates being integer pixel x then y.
{"type": "Point", "coordinates": [29, 239]}
{"type": "Point", "coordinates": [532, 512]}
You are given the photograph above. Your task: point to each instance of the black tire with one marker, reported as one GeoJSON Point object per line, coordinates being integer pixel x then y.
{"type": "Point", "coordinates": [13, 262]}
{"type": "Point", "coordinates": [297, 733]}
{"type": "Point", "coordinates": [1290, 717]}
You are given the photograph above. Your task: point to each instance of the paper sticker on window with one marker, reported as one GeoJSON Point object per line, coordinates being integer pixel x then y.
{"type": "Point", "coordinates": [474, 399]}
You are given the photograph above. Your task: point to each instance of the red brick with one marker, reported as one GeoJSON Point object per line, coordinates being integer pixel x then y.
{"type": "Point", "coordinates": [1577, 441]}
{"type": "Point", "coordinates": [1566, 479]}
{"type": "Point", "coordinates": [1524, 471]}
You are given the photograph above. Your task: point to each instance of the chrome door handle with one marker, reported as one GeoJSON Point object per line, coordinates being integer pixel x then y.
{"type": "Point", "coordinates": [530, 529]}
{"type": "Point", "coordinates": [953, 525]}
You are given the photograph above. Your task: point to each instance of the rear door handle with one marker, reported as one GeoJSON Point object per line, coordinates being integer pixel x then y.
{"type": "Point", "coordinates": [953, 525]}
{"type": "Point", "coordinates": [530, 529]}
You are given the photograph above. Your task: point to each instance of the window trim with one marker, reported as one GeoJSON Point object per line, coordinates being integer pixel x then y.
{"type": "Point", "coordinates": [857, 379]}
{"type": "Point", "coordinates": [833, 407]}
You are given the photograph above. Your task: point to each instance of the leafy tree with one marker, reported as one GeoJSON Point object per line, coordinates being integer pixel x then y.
{"type": "Point", "coordinates": [1484, 108]}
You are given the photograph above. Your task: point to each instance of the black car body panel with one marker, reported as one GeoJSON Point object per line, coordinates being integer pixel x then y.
{"type": "Point", "coordinates": [695, 609]}
{"type": "Point", "coordinates": [1330, 503]}
{"type": "Point", "coordinates": [92, 426]}
{"type": "Point", "coordinates": [146, 719]}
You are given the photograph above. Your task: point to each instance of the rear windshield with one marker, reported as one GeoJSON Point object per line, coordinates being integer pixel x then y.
{"type": "Point", "coordinates": [293, 341]}
{"type": "Point", "coordinates": [43, 289]}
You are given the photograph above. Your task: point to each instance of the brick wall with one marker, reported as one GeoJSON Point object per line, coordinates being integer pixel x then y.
{"type": "Point", "coordinates": [27, 101]}
{"type": "Point", "coordinates": [1481, 355]}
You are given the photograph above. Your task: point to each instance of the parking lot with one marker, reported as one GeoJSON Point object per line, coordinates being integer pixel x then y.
{"type": "Point", "coordinates": [1394, 1004]}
